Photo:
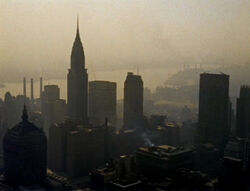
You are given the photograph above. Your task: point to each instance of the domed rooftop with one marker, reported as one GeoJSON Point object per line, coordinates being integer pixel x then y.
{"type": "Point", "coordinates": [24, 126]}
{"type": "Point", "coordinates": [24, 131]}
{"type": "Point", "coordinates": [25, 154]}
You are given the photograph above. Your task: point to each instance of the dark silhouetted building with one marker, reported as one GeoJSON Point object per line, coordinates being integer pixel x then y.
{"type": "Point", "coordinates": [53, 108]}
{"type": "Point", "coordinates": [77, 150]}
{"type": "Point", "coordinates": [158, 161]}
{"type": "Point", "coordinates": [78, 83]}
{"type": "Point", "coordinates": [207, 159]}
{"type": "Point", "coordinates": [25, 152]}
{"type": "Point", "coordinates": [213, 124]}
{"type": "Point", "coordinates": [133, 102]}
{"type": "Point", "coordinates": [243, 111]}
{"type": "Point", "coordinates": [159, 168]}
{"type": "Point", "coordinates": [234, 171]}
{"type": "Point", "coordinates": [51, 92]}
{"type": "Point", "coordinates": [119, 174]}
{"type": "Point", "coordinates": [102, 102]}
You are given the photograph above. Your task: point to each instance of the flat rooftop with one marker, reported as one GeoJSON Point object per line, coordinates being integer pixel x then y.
{"type": "Point", "coordinates": [164, 151]}
{"type": "Point", "coordinates": [214, 73]}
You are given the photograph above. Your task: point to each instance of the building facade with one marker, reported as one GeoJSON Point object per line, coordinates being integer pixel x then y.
{"type": "Point", "coordinates": [213, 123]}
{"type": "Point", "coordinates": [102, 102]}
{"type": "Point", "coordinates": [133, 101]}
{"type": "Point", "coordinates": [243, 110]}
{"type": "Point", "coordinates": [77, 150]}
{"type": "Point", "coordinates": [53, 108]}
{"type": "Point", "coordinates": [78, 83]}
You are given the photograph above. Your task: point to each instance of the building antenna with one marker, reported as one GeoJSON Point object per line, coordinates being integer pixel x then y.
{"type": "Point", "coordinates": [91, 65]}
{"type": "Point", "coordinates": [77, 22]}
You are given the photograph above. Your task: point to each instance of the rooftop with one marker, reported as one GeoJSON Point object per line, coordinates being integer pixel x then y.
{"type": "Point", "coordinates": [164, 151]}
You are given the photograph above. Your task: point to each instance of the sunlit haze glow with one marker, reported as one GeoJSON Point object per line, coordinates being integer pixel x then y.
{"type": "Point", "coordinates": [158, 36]}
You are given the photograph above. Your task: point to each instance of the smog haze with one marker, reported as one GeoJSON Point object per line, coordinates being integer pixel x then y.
{"type": "Point", "coordinates": [158, 37]}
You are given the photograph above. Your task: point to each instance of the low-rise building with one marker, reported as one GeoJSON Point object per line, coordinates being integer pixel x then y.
{"type": "Point", "coordinates": [157, 161]}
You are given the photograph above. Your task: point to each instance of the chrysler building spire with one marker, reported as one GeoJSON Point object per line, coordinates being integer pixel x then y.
{"type": "Point", "coordinates": [78, 82]}
{"type": "Point", "coordinates": [77, 53]}
{"type": "Point", "coordinates": [77, 23]}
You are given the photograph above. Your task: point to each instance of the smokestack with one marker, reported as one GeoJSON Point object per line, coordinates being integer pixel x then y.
{"type": "Point", "coordinates": [24, 87]}
{"type": "Point", "coordinates": [41, 87]}
{"type": "Point", "coordinates": [31, 90]}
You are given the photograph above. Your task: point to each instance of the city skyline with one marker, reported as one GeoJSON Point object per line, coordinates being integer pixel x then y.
{"type": "Point", "coordinates": [167, 34]}
{"type": "Point", "coordinates": [148, 95]}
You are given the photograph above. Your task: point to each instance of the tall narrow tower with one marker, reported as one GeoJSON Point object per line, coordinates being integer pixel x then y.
{"type": "Point", "coordinates": [31, 90]}
{"type": "Point", "coordinates": [41, 87]}
{"type": "Point", "coordinates": [24, 87]}
{"type": "Point", "coordinates": [78, 83]}
{"type": "Point", "coordinates": [213, 125]}
{"type": "Point", "coordinates": [133, 102]}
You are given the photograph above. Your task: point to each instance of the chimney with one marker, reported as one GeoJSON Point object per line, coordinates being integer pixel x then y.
{"type": "Point", "coordinates": [24, 87]}
{"type": "Point", "coordinates": [31, 90]}
{"type": "Point", "coordinates": [41, 87]}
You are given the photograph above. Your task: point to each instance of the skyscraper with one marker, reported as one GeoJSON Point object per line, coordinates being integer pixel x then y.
{"type": "Point", "coordinates": [51, 92]}
{"type": "Point", "coordinates": [133, 101]}
{"type": "Point", "coordinates": [243, 111]}
{"type": "Point", "coordinates": [53, 108]}
{"type": "Point", "coordinates": [102, 102]}
{"type": "Point", "coordinates": [213, 125]}
{"type": "Point", "coordinates": [78, 83]}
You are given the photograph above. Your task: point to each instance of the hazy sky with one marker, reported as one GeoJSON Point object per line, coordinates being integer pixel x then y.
{"type": "Point", "coordinates": [36, 36]}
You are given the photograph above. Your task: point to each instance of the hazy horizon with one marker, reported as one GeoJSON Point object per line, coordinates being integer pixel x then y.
{"type": "Point", "coordinates": [159, 37]}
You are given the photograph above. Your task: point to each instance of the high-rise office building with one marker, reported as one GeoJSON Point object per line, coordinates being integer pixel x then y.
{"type": "Point", "coordinates": [243, 110]}
{"type": "Point", "coordinates": [102, 102]}
{"type": "Point", "coordinates": [53, 108]}
{"type": "Point", "coordinates": [133, 101]}
{"type": "Point", "coordinates": [78, 83]}
{"type": "Point", "coordinates": [51, 92]}
{"type": "Point", "coordinates": [75, 150]}
{"type": "Point", "coordinates": [213, 125]}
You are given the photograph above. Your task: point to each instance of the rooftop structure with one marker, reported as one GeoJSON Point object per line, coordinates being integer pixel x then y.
{"type": "Point", "coordinates": [156, 161]}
